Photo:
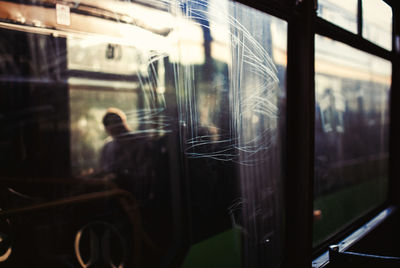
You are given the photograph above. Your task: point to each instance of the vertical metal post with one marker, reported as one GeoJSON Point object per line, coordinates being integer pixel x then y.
{"type": "Point", "coordinates": [300, 137]}
{"type": "Point", "coordinates": [359, 18]}
{"type": "Point", "coordinates": [394, 145]}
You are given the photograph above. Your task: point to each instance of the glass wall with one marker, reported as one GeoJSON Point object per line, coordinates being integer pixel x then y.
{"type": "Point", "coordinates": [136, 131]}
{"type": "Point", "coordinates": [351, 135]}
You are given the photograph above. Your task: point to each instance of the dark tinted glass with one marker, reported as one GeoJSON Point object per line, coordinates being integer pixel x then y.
{"type": "Point", "coordinates": [141, 134]}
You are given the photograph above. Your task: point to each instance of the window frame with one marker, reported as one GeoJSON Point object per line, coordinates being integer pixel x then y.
{"type": "Point", "coordinates": [303, 25]}
{"type": "Point", "coordinates": [357, 41]}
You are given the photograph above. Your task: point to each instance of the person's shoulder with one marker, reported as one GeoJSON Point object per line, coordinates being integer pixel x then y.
{"type": "Point", "coordinates": [108, 140]}
{"type": "Point", "coordinates": [137, 137]}
{"type": "Point", "coordinates": [108, 145]}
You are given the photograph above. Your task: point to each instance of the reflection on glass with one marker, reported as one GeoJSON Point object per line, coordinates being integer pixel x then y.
{"type": "Point", "coordinates": [343, 13]}
{"type": "Point", "coordinates": [119, 116]}
{"type": "Point", "coordinates": [377, 23]}
{"type": "Point", "coordinates": [351, 135]}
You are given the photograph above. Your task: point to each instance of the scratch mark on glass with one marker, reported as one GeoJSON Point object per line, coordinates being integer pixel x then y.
{"type": "Point", "coordinates": [229, 116]}
{"type": "Point", "coordinates": [252, 93]}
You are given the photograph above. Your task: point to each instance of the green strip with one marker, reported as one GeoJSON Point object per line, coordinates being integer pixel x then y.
{"type": "Point", "coordinates": [345, 205]}
{"type": "Point", "coordinates": [222, 250]}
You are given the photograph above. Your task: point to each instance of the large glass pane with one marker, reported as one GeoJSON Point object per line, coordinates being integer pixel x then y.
{"type": "Point", "coordinates": [343, 13]}
{"type": "Point", "coordinates": [351, 135]}
{"type": "Point", "coordinates": [134, 132]}
{"type": "Point", "coordinates": [377, 22]}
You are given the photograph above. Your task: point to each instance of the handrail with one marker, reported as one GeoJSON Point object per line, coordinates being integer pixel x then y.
{"type": "Point", "coordinates": [90, 197]}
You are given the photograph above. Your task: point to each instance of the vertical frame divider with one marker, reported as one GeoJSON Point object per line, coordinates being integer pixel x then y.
{"type": "Point", "coordinates": [359, 18]}
{"type": "Point", "coordinates": [299, 185]}
{"type": "Point", "coordinates": [394, 172]}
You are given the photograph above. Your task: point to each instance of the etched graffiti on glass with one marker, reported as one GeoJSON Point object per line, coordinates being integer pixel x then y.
{"type": "Point", "coordinates": [249, 97]}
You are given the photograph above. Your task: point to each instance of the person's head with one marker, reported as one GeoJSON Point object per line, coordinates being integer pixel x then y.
{"type": "Point", "coordinates": [114, 122]}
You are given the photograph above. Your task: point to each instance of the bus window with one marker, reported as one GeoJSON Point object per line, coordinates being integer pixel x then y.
{"type": "Point", "coordinates": [351, 135]}
{"type": "Point", "coordinates": [377, 23]}
{"type": "Point", "coordinates": [134, 132]}
{"type": "Point", "coordinates": [343, 13]}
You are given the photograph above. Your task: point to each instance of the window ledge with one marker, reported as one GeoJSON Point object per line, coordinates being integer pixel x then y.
{"type": "Point", "coordinates": [353, 238]}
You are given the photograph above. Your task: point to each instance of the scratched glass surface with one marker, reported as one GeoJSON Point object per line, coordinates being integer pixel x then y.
{"type": "Point", "coordinates": [351, 135]}
{"type": "Point", "coordinates": [377, 23]}
{"type": "Point", "coordinates": [343, 13]}
{"type": "Point", "coordinates": [134, 131]}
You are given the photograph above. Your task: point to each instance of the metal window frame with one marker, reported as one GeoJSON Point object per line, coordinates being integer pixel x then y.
{"type": "Point", "coordinates": [303, 25]}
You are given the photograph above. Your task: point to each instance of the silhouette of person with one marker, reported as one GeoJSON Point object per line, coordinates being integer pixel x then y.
{"type": "Point", "coordinates": [127, 157]}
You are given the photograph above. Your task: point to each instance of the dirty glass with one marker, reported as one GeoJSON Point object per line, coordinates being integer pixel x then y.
{"type": "Point", "coordinates": [141, 134]}
{"type": "Point", "coordinates": [377, 22]}
{"type": "Point", "coordinates": [343, 13]}
{"type": "Point", "coordinates": [351, 135]}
